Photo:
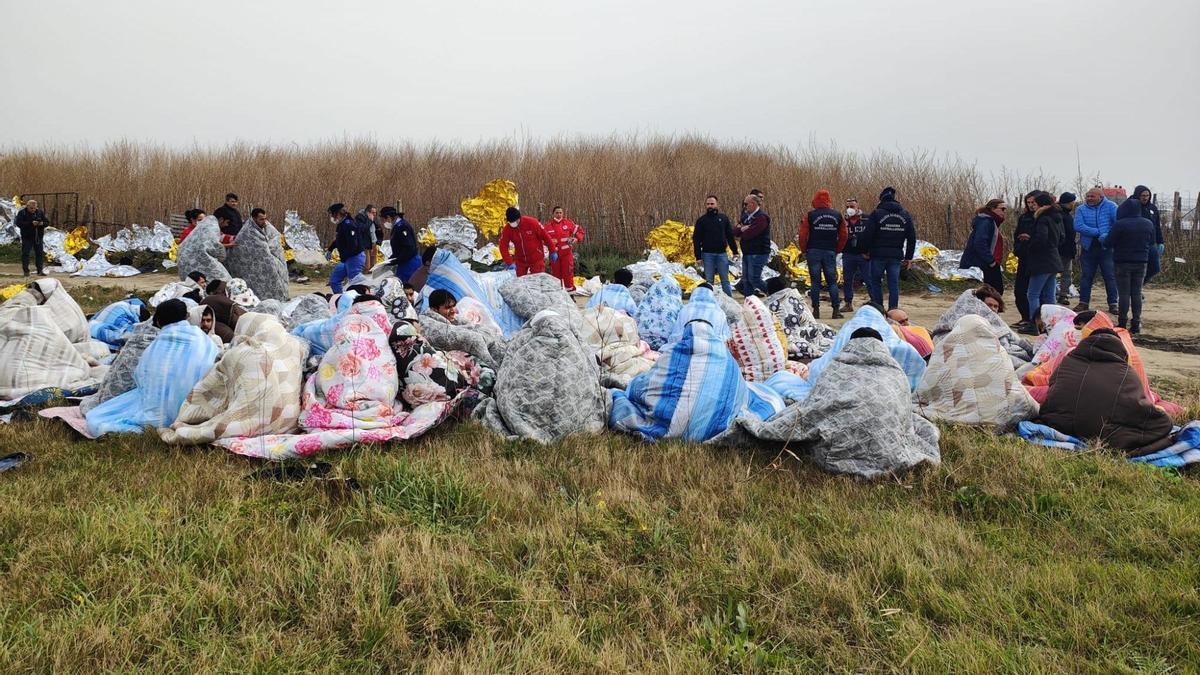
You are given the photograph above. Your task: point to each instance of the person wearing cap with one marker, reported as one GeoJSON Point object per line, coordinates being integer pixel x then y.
{"type": "Point", "coordinates": [854, 261]}
{"type": "Point", "coordinates": [405, 254]}
{"type": "Point", "coordinates": [1067, 248]}
{"type": "Point", "coordinates": [891, 240]}
{"type": "Point", "coordinates": [349, 244]}
{"type": "Point", "coordinates": [565, 233]}
{"type": "Point", "coordinates": [821, 237]}
{"type": "Point", "coordinates": [528, 240]}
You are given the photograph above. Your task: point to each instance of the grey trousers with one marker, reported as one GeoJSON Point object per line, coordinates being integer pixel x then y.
{"type": "Point", "coordinates": [1064, 280]}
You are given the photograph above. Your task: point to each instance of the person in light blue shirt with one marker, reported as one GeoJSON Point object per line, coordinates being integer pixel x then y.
{"type": "Point", "coordinates": [1092, 222]}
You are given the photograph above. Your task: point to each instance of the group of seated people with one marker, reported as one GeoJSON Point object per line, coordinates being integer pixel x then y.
{"type": "Point", "coordinates": [387, 361]}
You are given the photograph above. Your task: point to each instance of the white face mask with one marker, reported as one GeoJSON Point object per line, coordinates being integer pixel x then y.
{"type": "Point", "coordinates": [851, 211]}
{"type": "Point", "coordinates": [513, 223]}
{"type": "Point", "coordinates": [334, 220]}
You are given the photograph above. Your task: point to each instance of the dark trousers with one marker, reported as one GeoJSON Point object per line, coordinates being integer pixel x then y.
{"type": "Point", "coordinates": [880, 268]}
{"type": "Point", "coordinates": [994, 276]}
{"type": "Point", "coordinates": [1129, 291]}
{"type": "Point", "coordinates": [1021, 291]}
{"type": "Point", "coordinates": [31, 242]}
{"type": "Point", "coordinates": [822, 263]}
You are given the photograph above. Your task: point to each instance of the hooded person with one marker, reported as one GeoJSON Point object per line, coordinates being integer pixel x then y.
{"type": "Point", "coordinates": [112, 324]}
{"type": "Point", "coordinates": [693, 392]}
{"type": "Point", "coordinates": [971, 380]}
{"type": "Point", "coordinates": [304, 309]}
{"type": "Point", "coordinates": [858, 418]}
{"type": "Point", "coordinates": [1018, 348]}
{"type": "Point", "coordinates": [548, 386]}
{"type": "Point", "coordinates": [442, 328]}
{"type": "Point", "coordinates": [659, 310]}
{"type": "Point", "coordinates": [257, 257]}
{"type": "Point", "coordinates": [253, 390]}
{"type": "Point", "coordinates": [806, 338]}
{"type": "Point", "coordinates": [1042, 258]}
{"type": "Point", "coordinates": [523, 242]}
{"type": "Point", "coordinates": [613, 335]}
{"type": "Point", "coordinates": [225, 310]}
{"type": "Point", "coordinates": [174, 362]}
{"type": "Point", "coordinates": [352, 397]}
{"type": "Point", "coordinates": [1145, 198]}
{"type": "Point", "coordinates": [36, 355]}
{"type": "Point", "coordinates": [891, 242]}
{"type": "Point", "coordinates": [1096, 394]}
{"type": "Point", "coordinates": [985, 246]}
{"type": "Point", "coordinates": [203, 317]}
{"type": "Point", "coordinates": [448, 273]}
{"type": "Point", "coordinates": [1131, 241]}
{"type": "Point", "coordinates": [870, 317]}
{"type": "Point", "coordinates": [702, 305]}
{"type": "Point", "coordinates": [203, 252]}
{"type": "Point", "coordinates": [755, 343]}
{"type": "Point", "coordinates": [119, 377]}
{"type": "Point", "coordinates": [1069, 248]}
{"type": "Point", "coordinates": [822, 236]}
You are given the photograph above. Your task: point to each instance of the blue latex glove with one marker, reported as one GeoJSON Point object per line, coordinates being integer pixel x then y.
{"type": "Point", "coordinates": [329, 255]}
{"type": "Point", "coordinates": [553, 256]}
{"type": "Point", "coordinates": [1161, 248]}
{"type": "Point", "coordinates": [511, 267]}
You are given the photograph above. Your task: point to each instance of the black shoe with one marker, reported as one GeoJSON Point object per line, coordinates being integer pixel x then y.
{"type": "Point", "coordinates": [1113, 309]}
{"type": "Point", "coordinates": [42, 274]}
{"type": "Point", "coordinates": [848, 307]}
{"type": "Point", "coordinates": [1027, 329]}
{"type": "Point", "coordinates": [836, 314]}
{"type": "Point", "coordinates": [1135, 328]}
{"type": "Point", "coordinates": [816, 311]}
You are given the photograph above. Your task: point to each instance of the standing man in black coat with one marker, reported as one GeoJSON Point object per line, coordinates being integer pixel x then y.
{"type": "Point", "coordinates": [891, 241]}
{"type": "Point", "coordinates": [229, 211]}
{"type": "Point", "coordinates": [1144, 198]}
{"type": "Point", "coordinates": [710, 239]}
{"type": "Point", "coordinates": [1068, 248]}
{"type": "Point", "coordinates": [1021, 237]}
{"type": "Point", "coordinates": [31, 221]}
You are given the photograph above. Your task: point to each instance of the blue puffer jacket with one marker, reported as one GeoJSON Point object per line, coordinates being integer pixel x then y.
{"type": "Point", "coordinates": [1092, 223]}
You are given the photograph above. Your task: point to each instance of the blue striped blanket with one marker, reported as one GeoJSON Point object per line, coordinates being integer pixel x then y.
{"type": "Point", "coordinates": [1185, 450]}
{"type": "Point", "coordinates": [905, 355]}
{"type": "Point", "coordinates": [448, 273]}
{"type": "Point", "coordinates": [702, 305]}
{"type": "Point", "coordinates": [112, 324]}
{"type": "Point", "coordinates": [615, 296]}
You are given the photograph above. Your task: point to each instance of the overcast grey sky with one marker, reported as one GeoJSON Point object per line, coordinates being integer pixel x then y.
{"type": "Point", "coordinates": [1010, 84]}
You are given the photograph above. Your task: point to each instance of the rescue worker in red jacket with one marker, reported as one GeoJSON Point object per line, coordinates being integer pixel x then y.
{"type": "Point", "coordinates": [527, 238]}
{"type": "Point", "coordinates": [565, 234]}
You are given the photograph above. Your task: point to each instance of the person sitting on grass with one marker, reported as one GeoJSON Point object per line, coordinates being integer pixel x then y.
{"type": "Point", "coordinates": [616, 294]}
{"type": "Point", "coordinates": [991, 297]}
{"type": "Point", "coordinates": [917, 336]}
{"type": "Point", "coordinates": [443, 302]}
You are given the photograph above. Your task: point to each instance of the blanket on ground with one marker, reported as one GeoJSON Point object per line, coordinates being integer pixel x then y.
{"type": "Point", "coordinates": [112, 324]}
{"type": "Point", "coordinates": [119, 378]}
{"type": "Point", "coordinates": [971, 380]}
{"type": "Point", "coordinates": [257, 257]}
{"type": "Point", "coordinates": [1096, 394]}
{"type": "Point", "coordinates": [476, 340]}
{"type": "Point", "coordinates": [253, 390]}
{"type": "Point", "coordinates": [1183, 450]}
{"type": "Point", "coordinates": [173, 363]}
{"type": "Point", "coordinates": [35, 354]}
{"type": "Point", "coordinates": [427, 374]}
{"type": "Point", "coordinates": [858, 418]}
{"type": "Point", "coordinates": [755, 344]}
{"type": "Point", "coordinates": [1019, 349]}
{"type": "Point", "coordinates": [548, 386]}
{"type": "Point", "coordinates": [693, 392]}
{"type": "Point", "coordinates": [615, 296]}
{"type": "Point", "coordinates": [202, 252]}
{"type": "Point", "coordinates": [868, 317]}
{"type": "Point", "coordinates": [806, 337]}
{"type": "Point", "coordinates": [613, 335]}
{"type": "Point", "coordinates": [658, 311]}
{"type": "Point", "coordinates": [351, 398]}
{"type": "Point", "coordinates": [702, 306]}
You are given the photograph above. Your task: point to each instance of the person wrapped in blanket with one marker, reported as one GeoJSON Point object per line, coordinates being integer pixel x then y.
{"type": "Point", "coordinates": [170, 367]}
{"type": "Point", "coordinates": [427, 374]}
{"type": "Point", "coordinates": [442, 328]}
{"type": "Point", "coordinates": [616, 294]}
{"type": "Point", "coordinates": [113, 324]}
{"type": "Point", "coordinates": [917, 336]}
{"type": "Point", "coordinates": [226, 312]}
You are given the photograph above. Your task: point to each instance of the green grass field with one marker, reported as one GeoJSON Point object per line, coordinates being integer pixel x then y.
{"type": "Point", "coordinates": [464, 552]}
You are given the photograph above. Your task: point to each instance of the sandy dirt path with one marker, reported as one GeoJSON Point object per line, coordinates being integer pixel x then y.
{"type": "Point", "coordinates": [1170, 345]}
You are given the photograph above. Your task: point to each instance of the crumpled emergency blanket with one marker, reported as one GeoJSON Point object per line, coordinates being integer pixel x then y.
{"type": "Point", "coordinates": [615, 296]}
{"type": "Point", "coordinates": [693, 392]}
{"type": "Point", "coordinates": [257, 257]}
{"type": "Point", "coordinates": [658, 312]}
{"type": "Point", "coordinates": [254, 389]}
{"type": "Point", "coordinates": [868, 317]}
{"type": "Point", "coordinates": [119, 378]}
{"type": "Point", "coordinates": [351, 398]}
{"type": "Point", "coordinates": [548, 386]}
{"type": "Point", "coordinates": [1019, 349]}
{"type": "Point", "coordinates": [806, 337]}
{"type": "Point", "coordinates": [755, 344]}
{"type": "Point", "coordinates": [971, 380]}
{"type": "Point", "coordinates": [177, 359]}
{"type": "Point", "coordinates": [858, 418]}
{"type": "Point", "coordinates": [202, 252]}
{"type": "Point", "coordinates": [613, 335]}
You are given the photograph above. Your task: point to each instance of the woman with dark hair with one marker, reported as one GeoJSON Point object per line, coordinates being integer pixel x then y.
{"type": "Point", "coordinates": [985, 247]}
{"type": "Point", "coordinates": [991, 297]}
{"type": "Point", "coordinates": [1021, 237]}
{"type": "Point", "coordinates": [194, 216]}
{"type": "Point", "coordinates": [1042, 258]}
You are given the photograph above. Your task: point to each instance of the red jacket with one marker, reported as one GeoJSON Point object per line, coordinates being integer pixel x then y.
{"type": "Point", "coordinates": [823, 211]}
{"type": "Point", "coordinates": [560, 231]}
{"type": "Point", "coordinates": [527, 238]}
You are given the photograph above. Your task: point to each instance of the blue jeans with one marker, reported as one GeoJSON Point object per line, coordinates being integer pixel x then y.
{"type": "Point", "coordinates": [1041, 292]}
{"type": "Point", "coordinates": [346, 270]}
{"type": "Point", "coordinates": [1089, 260]}
{"type": "Point", "coordinates": [406, 269]}
{"type": "Point", "coordinates": [853, 263]}
{"type": "Point", "coordinates": [822, 262]}
{"type": "Point", "coordinates": [879, 267]}
{"type": "Point", "coordinates": [717, 264]}
{"type": "Point", "coordinates": [752, 267]}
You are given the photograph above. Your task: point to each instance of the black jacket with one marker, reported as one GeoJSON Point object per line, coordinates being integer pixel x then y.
{"type": "Point", "coordinates": [1025, 225]}
{"type": "Point", "coordinates": [1149, 212]}
{"type": "Point", "coordinates": [856, 228]}
{"type": "Point", "coordinates": [757, 238]}
{"type": "Point", "coordinates": [25, 219]}
{"type": "Point", "coordinates": [1132, 235]}
{"type": "Point", "coordinates": [712, 234]}
{"type": "Point", "coordinates": [404, 242]}
{"type": "Point", "coordinates": [891, 234]}
{"type": "Point", "coordinates": [232, 215]}
{"type": "Point", "coordinates": [1067, 250]}
{"type": "Point", "coordinates": [1041, 254]}
{"type": "Point", "coordinates": [349, 240]}
{"type": "Point", "coordinates": [366, 228]}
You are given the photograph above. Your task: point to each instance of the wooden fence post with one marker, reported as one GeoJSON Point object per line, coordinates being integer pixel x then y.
{"type": "Point", "coordinates": [1177, 216]}
{"type": "Point", "coordinates": [949, 229]}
